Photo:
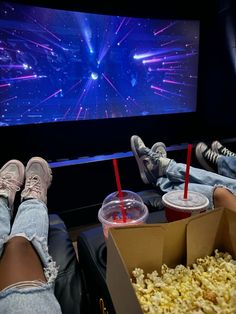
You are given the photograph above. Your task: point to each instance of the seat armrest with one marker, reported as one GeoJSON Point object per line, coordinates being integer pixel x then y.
{"type": "Point", "coordinates": [68, 285]}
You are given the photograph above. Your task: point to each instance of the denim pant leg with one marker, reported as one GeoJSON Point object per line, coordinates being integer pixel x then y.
{"type": "Point", "coordinates": [5, 222]}
{"type": "Point", "coordinates": [32, 222]}
{"type": "Point", "coordinates": [227, 166]}
{"type": "Point", "coordinates": [200, 180]}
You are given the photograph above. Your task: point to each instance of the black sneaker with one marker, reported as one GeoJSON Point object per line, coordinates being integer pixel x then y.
{"type": "Point", "coordinates": [151, 165]}
{"type": "Point", "coordinates": [218, 148]}
{"type": "Point", "coordinates": [206, 157]}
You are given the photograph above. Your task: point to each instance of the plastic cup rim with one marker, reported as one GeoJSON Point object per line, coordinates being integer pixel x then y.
{"type": "Point", "coordinates": [180, 208]}
{"type": "Point", "coordinates": [124, 190]}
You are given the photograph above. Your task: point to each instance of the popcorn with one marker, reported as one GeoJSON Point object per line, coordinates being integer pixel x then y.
{"type": "Point", "coordinates": [208, 286]}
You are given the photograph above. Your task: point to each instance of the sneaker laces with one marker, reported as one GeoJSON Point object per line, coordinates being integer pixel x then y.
{"type": "Point", "coordinates": [211, 156]}
{"type": "Point", "coordinates": [226, 152]}
{"type": "Point", "coordinates": [8, 182]}
{"type": "Point", "coordinates": [153, 155]}
{"type": "Point", "coordinates": [33, 184]}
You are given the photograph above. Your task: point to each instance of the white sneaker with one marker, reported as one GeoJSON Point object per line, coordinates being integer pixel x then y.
{"type": "Point", "coordinates": [12, 176]}
{"type": "Point", "coordinates": [38, 178]}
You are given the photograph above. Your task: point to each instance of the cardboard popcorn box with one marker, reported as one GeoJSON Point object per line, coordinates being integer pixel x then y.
{"type": "Point", "coordinates": [149, 246]}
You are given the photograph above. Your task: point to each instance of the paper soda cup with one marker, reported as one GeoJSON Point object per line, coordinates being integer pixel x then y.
{"type": "Point", "coordinates": [110, 214]}
{"type": "Point", "coordinates": [177, 207]}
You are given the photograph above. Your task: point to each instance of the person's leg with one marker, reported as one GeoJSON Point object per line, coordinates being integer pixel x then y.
{"type": "Point", "coordinates": [5, 223]}
{"type": "Point", "coordinates": [227, 166]}
{"type": "Point", "coordinates": [200, 180]}
{"type": "Point", "coordinates": [11, 178]}
{"type": "Point", "coordinates": [224, 198]}
{"type": "Point", "coordinates": [27, 271]}
{"type": "Point", "coordinates": [20, 263]}
{"type": "Point", "coordinates": [21, 260]}
{"type": "Point", "coordinates": [214, 161]}
{"type": "Point", "coordinates": [165, 174]}
{"type": "Point", "coordinates": [152, 163]}
{"type": "Point", "coordinates": [175, 172]}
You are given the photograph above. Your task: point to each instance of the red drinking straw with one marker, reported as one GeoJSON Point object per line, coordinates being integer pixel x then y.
{"type": "Point", "coordinates": [118, 184]}
{"type": "Point", "coordinates": [187, 171]}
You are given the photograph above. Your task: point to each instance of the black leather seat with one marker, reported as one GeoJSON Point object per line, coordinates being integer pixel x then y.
{"type": "Point", "coordinates": [69, 285]}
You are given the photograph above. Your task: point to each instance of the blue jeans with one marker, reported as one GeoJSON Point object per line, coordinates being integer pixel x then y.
{"type": "Point", "coordinates": [31, 222]}
{"type": "Point", "coordinates": [200, 180]}
{"type": "Point", "coordinates": [227, 166]}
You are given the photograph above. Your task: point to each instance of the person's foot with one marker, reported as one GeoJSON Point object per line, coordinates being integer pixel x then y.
{"type": "Point", "coordinates": [12, 176]}
{"type": "Point", "coordinates": [151, 165]}
{"type": "Point", "coordinates": [38, 177]}
{"type": "Point", "coordinates": [218, 148]}
{"type": "Point", "coordinates": [206, 157]}
{"type": "Point", "coordinates": [160, 149]}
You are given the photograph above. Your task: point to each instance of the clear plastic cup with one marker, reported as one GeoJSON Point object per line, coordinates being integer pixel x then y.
{"type": "Point", "coordinates": [110, 214]}
{"type": "Point", "coordinates": [177, 207]}
{"type": "Point", "coordinates": [126, 194]}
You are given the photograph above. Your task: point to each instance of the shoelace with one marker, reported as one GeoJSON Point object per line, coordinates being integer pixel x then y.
{"type": "Point", "coordinates": [160, 153]}
{"type": "Point", "coordinates": [153, 155]}
{"type": "Point", "coordinates": [32, 185]}
{"type": "Point", "coordinates": [211, 156]}
{"type": "Point", "coordinates": [226, 152]}
{"type": "Point", "coordinates": [8, 182]}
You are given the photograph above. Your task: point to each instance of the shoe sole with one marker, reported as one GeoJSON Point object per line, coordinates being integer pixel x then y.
{"type": "Point", "coordinates": [139, 162]}
{"type": "Point", "coordinates": [201, 160]}
{"type": "Point", "coordinates": [45, 167]}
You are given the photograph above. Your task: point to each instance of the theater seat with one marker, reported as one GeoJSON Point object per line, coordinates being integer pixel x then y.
{"type": "Point", "coordinates": [69, 286]}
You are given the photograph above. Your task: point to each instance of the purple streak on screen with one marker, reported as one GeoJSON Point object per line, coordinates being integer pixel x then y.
{"type": "Point", "coordinates": [60, 65]}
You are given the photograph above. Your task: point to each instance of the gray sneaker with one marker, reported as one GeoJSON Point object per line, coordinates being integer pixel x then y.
{"type": "Point", "coordinates": [38, 178]}
{"type": "Point", "coordinates": [151, 165]}
{"type": "Point", "coordinates": [160, 149]}
{"type": "Point", "coordinates": [218, 148]}
{"type": "Point", "coordinates": [12, 176]}
{"type": "Point", "coordinates": [206, 157]}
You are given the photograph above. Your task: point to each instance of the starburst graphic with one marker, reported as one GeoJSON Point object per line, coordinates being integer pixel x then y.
{"type": "Point", "coordinates": [60, 65]}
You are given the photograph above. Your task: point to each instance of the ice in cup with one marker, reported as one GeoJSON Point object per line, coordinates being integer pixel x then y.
{"type": "Point", "coordinates": [112, 214]}
{"type": "Point", "coordinates": [177, 207]}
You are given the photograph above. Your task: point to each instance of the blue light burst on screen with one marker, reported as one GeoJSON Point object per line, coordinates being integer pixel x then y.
{"type": "Point", "coordinates": [60, 65]}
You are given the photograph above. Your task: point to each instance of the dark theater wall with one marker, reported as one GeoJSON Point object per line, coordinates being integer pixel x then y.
{"type": "Point", "coordinates": [218, 73]}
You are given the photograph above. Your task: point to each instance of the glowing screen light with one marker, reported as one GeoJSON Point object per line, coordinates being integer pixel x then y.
{"type": "Point", "coordinates": [61, 65]}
